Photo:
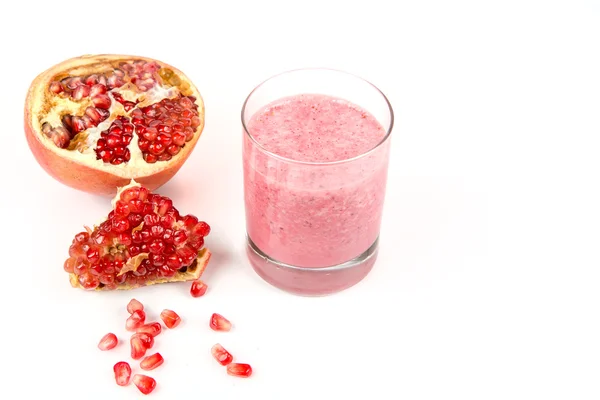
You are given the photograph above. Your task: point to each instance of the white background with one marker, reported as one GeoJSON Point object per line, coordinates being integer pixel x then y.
{"type": "Point", "coordinates": [488, 283]}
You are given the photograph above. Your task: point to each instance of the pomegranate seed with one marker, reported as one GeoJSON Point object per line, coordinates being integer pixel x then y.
{"type": "Point", "coordinates": [88, 281]}
{"type": "Point", "coordinates": [138, 347]}
{"type": "Point", "coordinates": [80, 92]}
{"type": "Point", "coordinates": [146, 338]}
{"type": "Point", "coordinates": [202, 229]}
{"type": "Point", "coordinates": [239, 370]}
{"type": "Point", "coordinates": [97, 89]}
{"type": "Point", "coordinates": [170, 318]}
{"type": "Point", "coordinates": [122, 373]}
{"type": "Point", "coordinates": [198, 288]}
{"type": "Point", "coordinates": [77, 124]}
{"type": "Point", "coordinates": [144, 383]}
{"type": "Point", "coordinates": [101, 101]}
{"type": "Point", "coordinates": [134, 306]}
{"type": "Point", "coordinates": [136, 320]}
{"type": "Point", "coordinates": [219, 323]}
{"type": "Point", "coordinates": [221, 355]}
{"type": "Point", "coordinates": [108, 342]}
{"type": "Point", "coordinates": [92, 79]}
{"type": "Point", "coordinates": [153, 329]}
{"type": "Point", "coordinates": [151, 362]}
{"type": "Point", "coordinates": [56, 87]}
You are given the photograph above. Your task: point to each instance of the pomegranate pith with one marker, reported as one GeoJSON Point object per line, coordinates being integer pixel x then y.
{"type": "Point", "coordinates": [198, 288]}
{"type": "Point", "coordinates": [122, 372]}
{"type": "Point", "coordinates": [153, 329]}
{"type": "Point", "coordinates": [108, 342]}
{"type": "Point", "coordinates": [134, 305]}
{"type": "Point", "coordinates": [151, 362]}
{"type": "Point", "coordinates": [222, 356]}
{"type": "Point", "coordinates": [239, 370]}
{"type": "Point", "coordinates": [144, 240]}
{"type": "Point", "coordinates": [170, 318]}
{"type": "Point", "coordinates": [219, 323]}
{"type": "Point", "coordinates": [144, 383]}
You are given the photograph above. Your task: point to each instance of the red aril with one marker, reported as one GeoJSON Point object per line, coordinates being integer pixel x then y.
{"type": "Point", "coordinates": [82, 115]}
{"type": "Point", "coordinates": [140, 343]}
{"type": "Point", "coordinates": [122, 373]}
{"type": "Point", "coordinates": [239, 370]}
{"type": "Point", "coordinates": [219, 323]}
{"type": "Point", "coordinates": [153, 361]}
{"type": "Point", "coordinates": [144, 383]}
{"type": "Point", "coordinates": [170, 318]}
{"type": "Point", "coordinates": [198, 288]}
{"type": "Point", "coordinates": [135, 246]}
{"type": "Point", "coordinates": [222, 356]}
{"type": "Point", "coordinates": [153, 329]}
{"type": "Point", "coordinates": [146, 339]}
{"type": "Point", "coordinates": [134, 305]}
{"type": "Point", "coordinates": [108, 342]}
{"type": "Point", "coordinates": [135, 320]}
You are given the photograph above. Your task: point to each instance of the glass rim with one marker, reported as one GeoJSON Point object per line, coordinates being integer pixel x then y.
{"type": "Point", "coordinates": [291, 160]}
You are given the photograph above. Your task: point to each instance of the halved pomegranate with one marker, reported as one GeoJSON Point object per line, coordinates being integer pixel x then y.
{"type": "Point", "coordinates": [95, 122]}
{"type": "Point", "coordinates": [143, 241]}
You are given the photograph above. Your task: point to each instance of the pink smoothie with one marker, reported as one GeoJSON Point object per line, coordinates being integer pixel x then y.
{"type": "Point", "coordinates": [307, 214]}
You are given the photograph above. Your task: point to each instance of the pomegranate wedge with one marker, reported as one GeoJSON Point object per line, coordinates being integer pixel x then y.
{"type": "Point", "coordinates": [136, 246]}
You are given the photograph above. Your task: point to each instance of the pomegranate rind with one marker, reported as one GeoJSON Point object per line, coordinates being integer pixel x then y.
{"type": "Point", "coordinates": [87, 174]}
{"type": "Point", "coordinates": [192, 273]}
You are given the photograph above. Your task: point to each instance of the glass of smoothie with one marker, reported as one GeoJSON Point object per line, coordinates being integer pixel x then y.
{"type": "Point", "coordinates": [315, 153]}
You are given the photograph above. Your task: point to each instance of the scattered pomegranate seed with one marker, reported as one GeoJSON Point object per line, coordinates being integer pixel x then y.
{"type": "Point", "coordinates": [138, 346]}
{"type": "Point", "coordinates": [144, 383]}
{"type": "Point", "coordinates": [108, 342]}
{"type": "Point", "coordinates": [134, 305]}
{"type": "Point", "coordinates": [198, 288]}
{"type": "Point", "coordinates": [219, 323]}
{"type": "Point", "coordinates": [153, 329]}
{"type": "Point", "coordinates": [136, 320]}
{"type": "Point", "coordinates": [153, 361]}
{"type": "Point", "coordinates": [122, 373]}
{"type": "Point", "coordinates": [170, 318]}
{"type": "Point", "coordinates": [240, 370]}
{"type": "Point", "coordinates": [146, 338]}
{"type": "Point", "coordinates": [221, 355]}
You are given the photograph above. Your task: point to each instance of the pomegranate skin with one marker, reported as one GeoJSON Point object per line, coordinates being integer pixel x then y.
{"type": "Point", "coordinates": [87, 176]}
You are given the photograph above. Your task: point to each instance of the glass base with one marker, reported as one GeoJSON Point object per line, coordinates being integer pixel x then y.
{"type": "Point", "coordinates": [312, 281]}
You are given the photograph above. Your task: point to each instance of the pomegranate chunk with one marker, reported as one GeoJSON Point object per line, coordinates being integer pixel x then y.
{"type": "Point", "coordinates": [135, 320]}
{"type": "Point", "coordinates": [198, 288]}
{"type": "Point", "coordinates": [143, 240]}
{"type": "Point", "coordinates": [144, 383]}
{"type": "Point", "coordinates": [108, 342]}
{"type": "Point", "coordinates": [240, 370]}
{"type": "Point", "coordinates": [152, 329]}
{"type": "Point", "coordinates": [222, 356]}
{"type": "Point", "coordinates": [219, 323]}
{"type": "Point", "coordinates": [134, 306]}
{"type": "Point", "coordinates": [153, 361]}
{"type": "Point", "coordinates": [170, 318]}
{"type": "Point", "coordinates": [122, 373]}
